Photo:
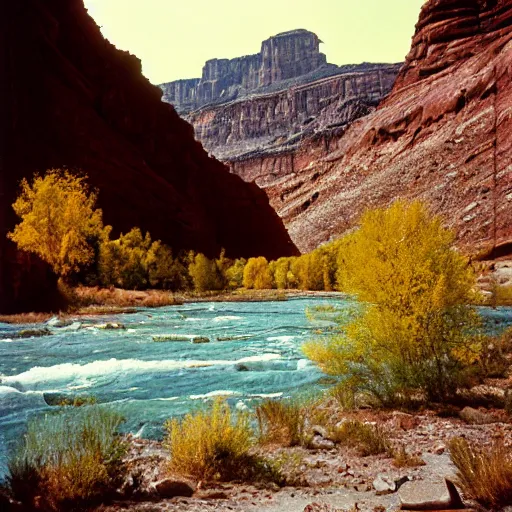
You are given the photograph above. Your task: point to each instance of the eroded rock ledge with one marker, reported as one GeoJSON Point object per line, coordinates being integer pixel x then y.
{"type": "Point", "coordinates": [277, 97]}
{"type": "Point", "coordinates": [444, 135]}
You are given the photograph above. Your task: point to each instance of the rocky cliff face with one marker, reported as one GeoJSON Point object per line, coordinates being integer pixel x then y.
{"type": "Point", "coordinates": [444, 135]}
{"type": "Point", "coordinates": [70, 99]}
{"type": "Point", "coordinates": [282, 57]}
{"type": "Point", "coordinates": [266, 122]}
{"type": "Point", "coordinates": [273, 99]}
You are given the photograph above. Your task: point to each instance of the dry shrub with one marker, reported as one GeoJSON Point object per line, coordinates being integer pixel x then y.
{"type": "Point", "coordinates": [25, 318]}
{"type": "Point", "coordinates": [211, 444]}
{"type": "Point", "coordinates": [403, 459]}
{"type": "Point", "coordinates": [70, 461]}
{"type": "Point", "coordinates": [282, 422]}
{"type": "Point", "coordinates": [483, 474]}
{"type": "Point", "coordinates": [78, 401]}
{"type": "Point", "coordinates": [288, 469]}
{"type": "Point", "coordinates": [345, 397]}
{"type": "Point", "coordinates": [368, 439]}
{"type": "Point", "coordinates": [502, 295]}
{"type": "Point", "coordinates": [495, 358]}
{"type": "Point", "coordinates": [116, 297]}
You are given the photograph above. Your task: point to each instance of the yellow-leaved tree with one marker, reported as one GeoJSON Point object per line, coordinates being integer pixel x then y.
{"type": "Point", "coordinates": [257, 274]}
{"type": "Point", "coordinates": [204, 274]}
{"type": "Point", "coordinates": [59, 221]}
{"type": "Point", "coordinates": [415, 329]}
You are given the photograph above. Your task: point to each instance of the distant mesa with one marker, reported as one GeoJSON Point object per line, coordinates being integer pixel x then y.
{"type": "Point", "coordinates": [263, 102]}
{"type": "Point", "coordinates": [284, 56]}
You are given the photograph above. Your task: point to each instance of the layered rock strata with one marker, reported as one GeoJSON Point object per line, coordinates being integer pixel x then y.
{"type": "Point", "coordinates": [278, 119]}
{"type": "Point", "coordinates": [71, 99]}
{"type": "Point", "coordinates": [282, 57]}
{"type": "Point", "coordinates": [443, 135]}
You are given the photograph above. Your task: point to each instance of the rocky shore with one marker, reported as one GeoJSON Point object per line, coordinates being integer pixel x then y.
{"type": "Point", "coordinates": [327, 477]}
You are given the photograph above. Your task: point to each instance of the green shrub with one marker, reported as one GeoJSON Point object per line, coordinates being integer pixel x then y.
{"type": "Point", "coordinates": [69, 461]}
{"type": "Point", "coordinates": [234, 274]}
{"type": "Point", "coordinates": [483, 474]}
{"type": "Point", "coordinates": [211, 444]}
{"type": "Point", "coordinates": [282, 422]}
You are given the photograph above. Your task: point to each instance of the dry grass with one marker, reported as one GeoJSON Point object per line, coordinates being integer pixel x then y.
{"type": "Point", "coordinates": [483, 474]}
{"type": "Point", "coordinates": [403, 459]}
{"type": "Point", "coordinates": [116, 297]}
{"type": "Point", "coordinates": [25, 318]}
{"type": "Point", "coordinates": [282, 422]}
{"type": "Point", "coordinates": [366, 438]}
{"type": "Point", "coordinates": [69, 461]}
{"type": "Point", "coordinates": [212, 444]}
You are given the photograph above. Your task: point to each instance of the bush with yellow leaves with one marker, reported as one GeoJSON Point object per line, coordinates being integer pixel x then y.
{"type": "Point", "coordinates": [414, 330]}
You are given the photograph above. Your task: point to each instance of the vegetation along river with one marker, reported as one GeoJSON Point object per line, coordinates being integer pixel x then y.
{"type": "Point", "coordinates": [149, 381]}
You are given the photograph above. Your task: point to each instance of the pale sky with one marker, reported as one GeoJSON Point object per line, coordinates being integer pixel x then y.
{"type": "Point", "coordinates": [174, 38]}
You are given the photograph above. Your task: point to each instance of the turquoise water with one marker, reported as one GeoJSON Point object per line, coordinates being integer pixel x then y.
{"type": "Point", "coordinates": [149, 382]}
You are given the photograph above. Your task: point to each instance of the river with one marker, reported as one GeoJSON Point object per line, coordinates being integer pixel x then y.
{"type": "Point", "coordinates": [148, 381]}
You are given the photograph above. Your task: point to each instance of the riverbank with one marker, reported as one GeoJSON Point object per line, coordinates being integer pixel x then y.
{"type": "Point", "coordinates": [147, 383]}
{"type": "Point", "coordinates": [495, 284]}
{"type": "Point", "coordinates": [329, 478]}
{"type": "Point", "coordinates": [93, 301]}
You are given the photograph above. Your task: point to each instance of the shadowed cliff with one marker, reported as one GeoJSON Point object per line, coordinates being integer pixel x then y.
{"type": "Point", "coordinates": [71, 99]}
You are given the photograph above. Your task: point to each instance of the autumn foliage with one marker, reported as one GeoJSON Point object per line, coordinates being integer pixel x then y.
{"type": "Point", "coordinates": [413, 330]}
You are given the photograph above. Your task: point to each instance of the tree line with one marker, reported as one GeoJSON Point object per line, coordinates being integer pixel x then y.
{"type": "Point", "coordinates": [60, 223]}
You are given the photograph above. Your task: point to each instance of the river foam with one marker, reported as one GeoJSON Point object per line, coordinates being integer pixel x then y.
{"type": "Point", "coordinates": [78, 375]}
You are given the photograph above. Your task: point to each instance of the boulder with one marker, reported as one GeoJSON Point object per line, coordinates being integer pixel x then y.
{"type": "Point", "coordinates": [404, 421]}
{"type": "Point", "coordinates": [59, 322]}
{"type": "Point", "coordinates": [111, 326]}
{"type": "Point", "coordinates": [384, 485]}
{"type": "Point", "coordinates": [422, 495]}
{"type": "Point", "coordinates": [321, 507]}
{"type": "Point", "coordinates": [319, 443]}
{"type": "Point", "coordinates": [439, 448]}
{"type": "Point", "coordinates": [33, 333]}
{"type": "Point", "coordinates": [200, 339]}
{"type": "Point", "coordinates": [320, 431]}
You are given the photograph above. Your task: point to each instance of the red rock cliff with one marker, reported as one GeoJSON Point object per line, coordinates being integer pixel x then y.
{"type": "Point", "coordinates": [267, 121]}
{"type": "Point", "coordinates": [444, 135]}
{"type": "Point", "coordinates": [70, 99]}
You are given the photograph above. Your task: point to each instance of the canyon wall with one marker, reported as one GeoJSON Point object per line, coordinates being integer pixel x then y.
{"type": "Point", "coordinates": [282, 57]}
{"type": "Point", "coordinates": [443, 135]}
{"type": "Point", "coordinates": [70, 99]}
{"type": "Point", "coordinates": [281, 118]}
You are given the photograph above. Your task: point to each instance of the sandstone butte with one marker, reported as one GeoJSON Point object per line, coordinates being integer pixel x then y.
{"type": "Point", "coordinates": [69, 98]}
{"type": "Point", "coordinates": [444, 135]}
{"type": "Point", "coordinates": [275, 98]}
